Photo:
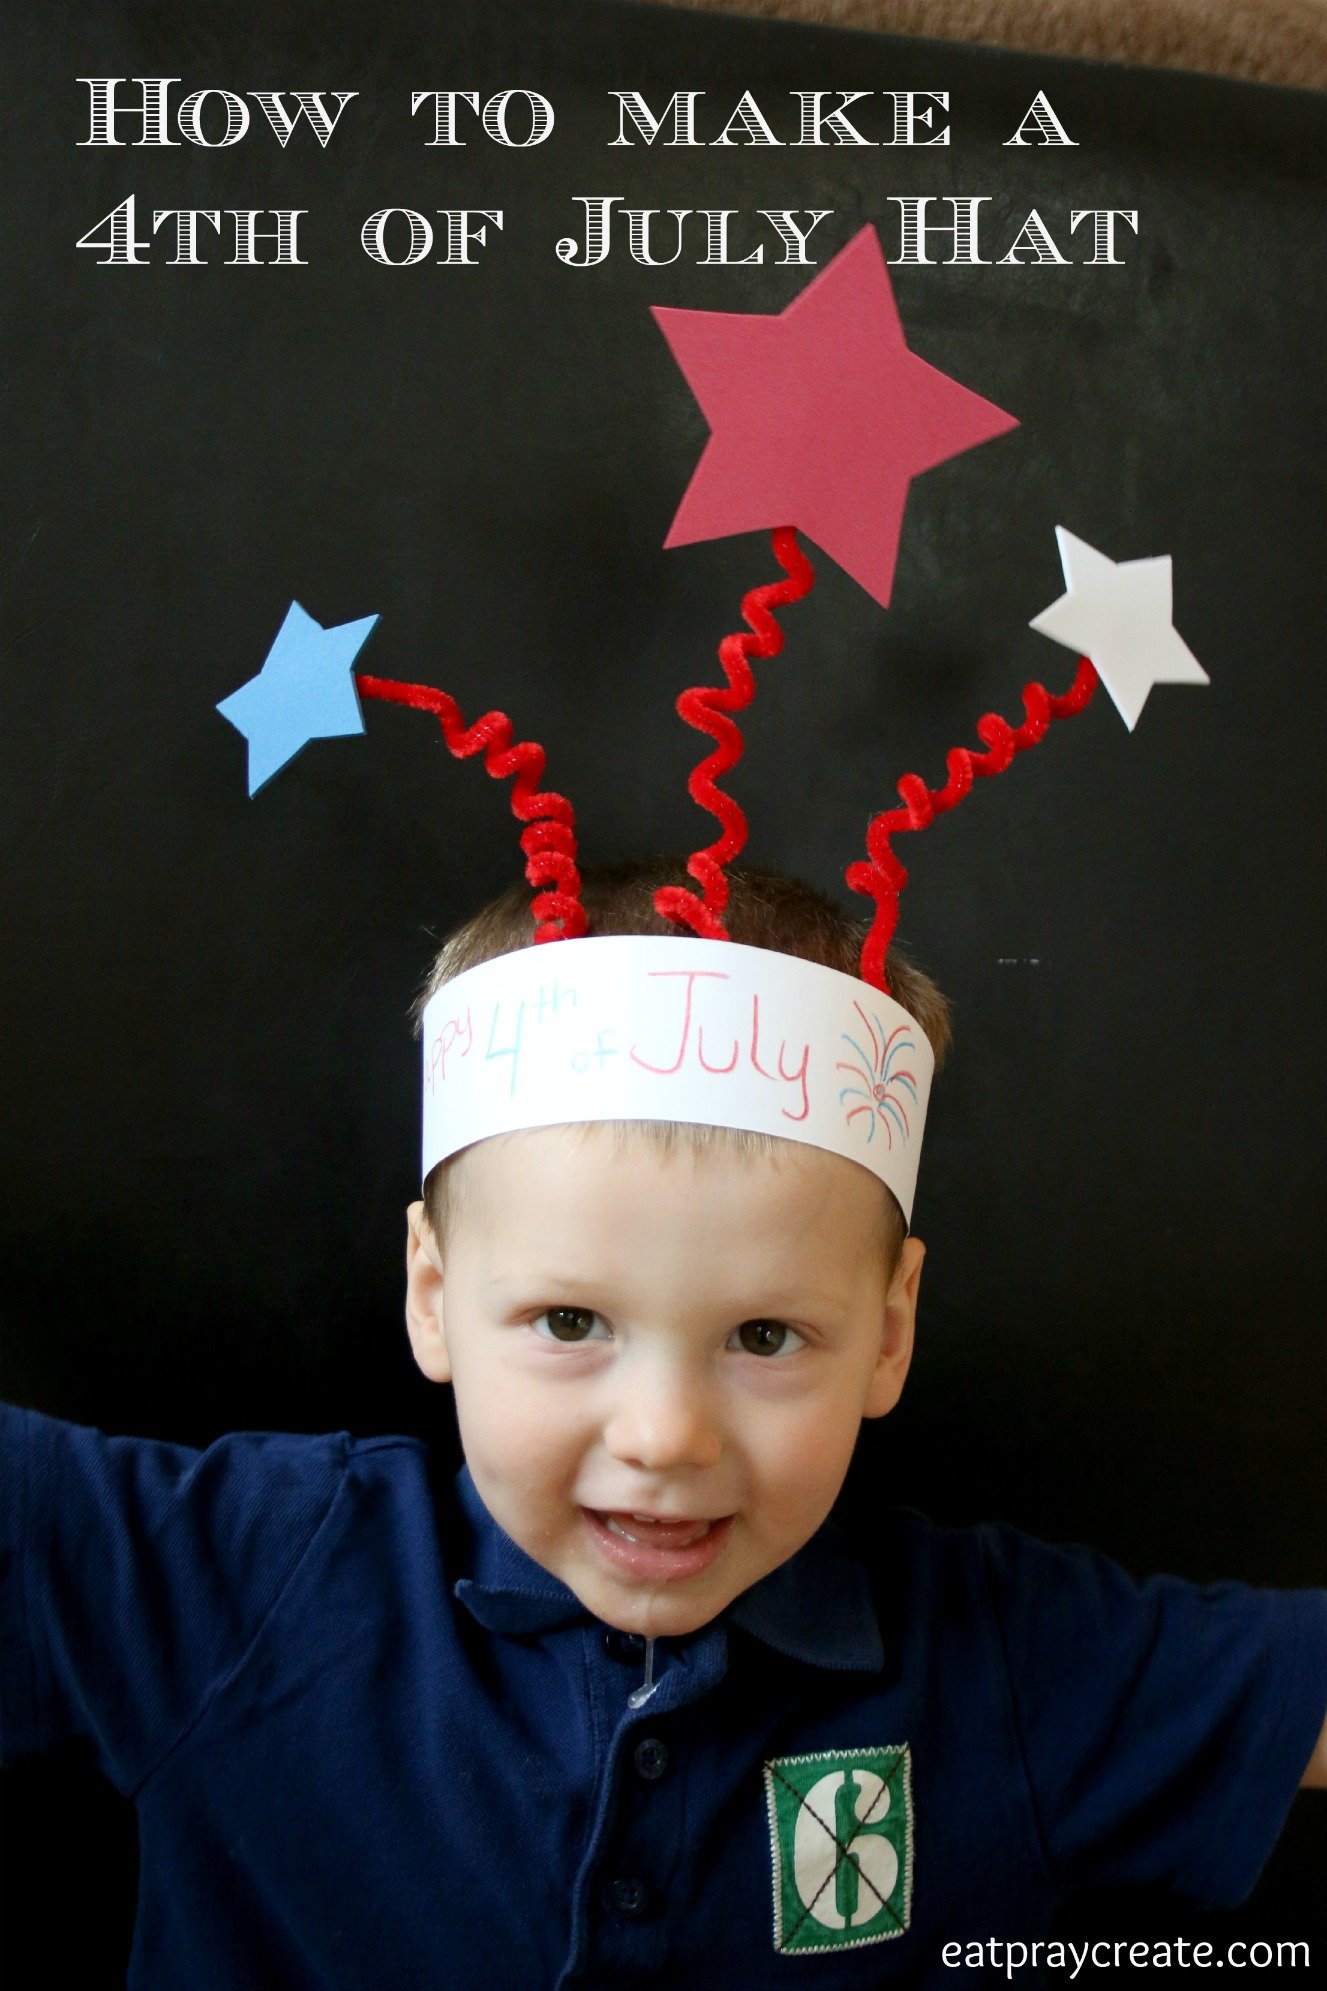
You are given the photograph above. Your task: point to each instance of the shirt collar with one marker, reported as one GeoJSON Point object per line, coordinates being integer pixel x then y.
{"type": "Point", "coordinates": [816, 1607]}
{"type": "Point", "coordinates": [507, 1590]}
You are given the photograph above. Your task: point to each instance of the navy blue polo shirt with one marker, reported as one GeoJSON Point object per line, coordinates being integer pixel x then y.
{"type": "Point", "coordinates": [372, 1743]}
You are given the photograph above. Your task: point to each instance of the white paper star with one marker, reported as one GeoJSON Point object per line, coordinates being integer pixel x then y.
{"type": "Point", "coordinates": [1118, 614]}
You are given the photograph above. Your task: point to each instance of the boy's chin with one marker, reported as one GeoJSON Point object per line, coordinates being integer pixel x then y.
{"type": "Point", "coordinates": [664, 1612]}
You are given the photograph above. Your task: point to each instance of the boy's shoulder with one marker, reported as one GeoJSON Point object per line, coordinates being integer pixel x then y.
{"type": "Point", "coordinates": [259, 1451]}
{"type": "Point", "coordinates": [1047, 1602]}
{"type": "Point", "coordinates": [247, 1499]}
{"type": "Point", "coordinates": [271, 1462]}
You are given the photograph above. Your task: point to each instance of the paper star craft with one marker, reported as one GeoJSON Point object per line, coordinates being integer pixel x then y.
{"type": "Point", "coordinates": [304, 691]}
{"type": "Point", "coordinates": [1119, 615]}
{"type": "Point", "coordinates": [820, 417]}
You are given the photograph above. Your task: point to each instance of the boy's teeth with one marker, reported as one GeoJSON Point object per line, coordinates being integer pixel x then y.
{"type": "Point", "coordinates": [676, 1534]}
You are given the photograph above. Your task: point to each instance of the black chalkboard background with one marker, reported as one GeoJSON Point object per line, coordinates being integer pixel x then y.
{"type": "Point", "coordinates": [209, 1084]}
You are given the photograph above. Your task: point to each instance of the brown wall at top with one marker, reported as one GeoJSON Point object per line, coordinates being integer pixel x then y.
{"type": "Point", "coordinates": [1261, 41]}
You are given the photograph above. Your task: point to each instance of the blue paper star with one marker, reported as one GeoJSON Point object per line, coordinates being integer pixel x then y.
{"type": "Point", "coordinates": [304, 691]}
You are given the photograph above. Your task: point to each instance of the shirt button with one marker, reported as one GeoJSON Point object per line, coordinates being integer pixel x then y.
{"type": "Point", "coordinates": [629, 1897]}
{"type": "Point", "coordinates": [629, 1647]}
{"type": "Point", "coordinates": [650, 1758]}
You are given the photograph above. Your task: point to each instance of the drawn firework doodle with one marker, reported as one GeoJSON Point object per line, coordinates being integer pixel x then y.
{"type": "Point", "coordinates": [885, 1088]}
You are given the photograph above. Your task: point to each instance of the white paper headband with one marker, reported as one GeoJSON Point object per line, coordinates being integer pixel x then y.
{"type": "Point", "coordinates": [672, 1028]}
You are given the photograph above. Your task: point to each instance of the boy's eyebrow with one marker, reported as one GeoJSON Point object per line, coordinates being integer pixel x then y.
{"type": "Point", "coordinates": [537, 1277]}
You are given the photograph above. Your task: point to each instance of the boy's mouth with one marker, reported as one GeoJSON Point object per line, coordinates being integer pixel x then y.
{"type": "Point", "coordinates": [649, 1547]}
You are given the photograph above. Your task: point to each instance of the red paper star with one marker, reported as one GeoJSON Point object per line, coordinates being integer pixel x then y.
{"type": "Point", "coordinates": [820, 417]}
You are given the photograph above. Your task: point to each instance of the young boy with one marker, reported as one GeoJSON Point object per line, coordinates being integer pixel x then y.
{"type": "Point", "coordinates": [622, 1708]}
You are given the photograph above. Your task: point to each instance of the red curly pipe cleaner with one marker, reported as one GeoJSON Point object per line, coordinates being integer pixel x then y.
{"type": "Point", "coordinates": [706, 707]}
{"type": "Point", "coordinates": [549, 838]}
{"type": "Point", "coordinates": [880, 876]}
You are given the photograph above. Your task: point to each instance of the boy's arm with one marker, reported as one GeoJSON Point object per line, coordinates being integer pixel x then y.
{"type": "Point", "coordinates": [1165, 1726]}
{"type": "Point", "coordinates": [1315, 1777]}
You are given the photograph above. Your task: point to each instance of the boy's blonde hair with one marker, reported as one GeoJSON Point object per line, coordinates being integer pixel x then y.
{"type": "Point", "coordinates": [764, 909]}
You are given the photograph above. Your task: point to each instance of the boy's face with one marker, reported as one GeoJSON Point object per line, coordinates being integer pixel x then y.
{"type": "Point", "coordinates": [661, 1360]}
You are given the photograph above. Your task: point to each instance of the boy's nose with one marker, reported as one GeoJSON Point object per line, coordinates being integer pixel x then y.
{"type": "Point", "coordinates": [661, 1423]}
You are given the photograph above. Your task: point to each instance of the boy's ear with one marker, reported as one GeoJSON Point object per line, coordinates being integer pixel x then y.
{"type": "Point", "coordinates": [900, 1324]}
{"type": "Point", "coordinates": [423, 1296]}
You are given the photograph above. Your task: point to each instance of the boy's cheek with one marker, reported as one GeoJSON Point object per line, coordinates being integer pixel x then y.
{"type": "Point", "coordinates": [808, 1459]}
{"type": "Point", "coordinates": [513, 1449]}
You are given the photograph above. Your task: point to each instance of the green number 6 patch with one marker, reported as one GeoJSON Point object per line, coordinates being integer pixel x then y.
{"type": "Point", "coordinates": [840, 1824]}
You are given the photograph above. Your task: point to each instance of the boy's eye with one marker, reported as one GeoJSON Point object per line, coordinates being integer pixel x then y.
{"type": "Point", "coordinates": [570, 1324]}
{"type": "Point", "coordinates": [767, 1337]}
